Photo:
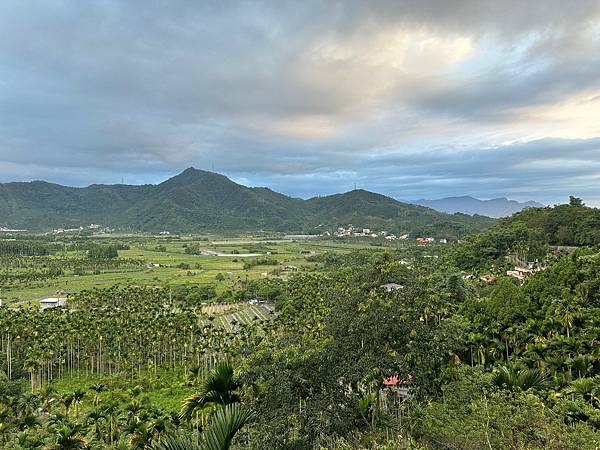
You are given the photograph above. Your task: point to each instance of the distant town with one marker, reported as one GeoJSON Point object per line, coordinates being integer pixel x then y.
{"type": "Point", "coordinates": [352, 231]}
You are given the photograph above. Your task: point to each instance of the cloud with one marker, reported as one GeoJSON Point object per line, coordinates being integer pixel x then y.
{"type": "Point", "coordinates": [411, 98]}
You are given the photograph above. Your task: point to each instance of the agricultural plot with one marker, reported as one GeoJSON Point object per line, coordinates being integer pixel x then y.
{"type": "Point", "coordinates": [242, 314]}
{"type": "Point", "coordinates": [154, 261]}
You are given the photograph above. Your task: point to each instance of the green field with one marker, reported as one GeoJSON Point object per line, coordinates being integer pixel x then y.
{"type": "Point", "coordinates": [163, 262]}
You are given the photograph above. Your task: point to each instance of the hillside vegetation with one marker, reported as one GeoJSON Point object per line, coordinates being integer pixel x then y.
{"type": "Point", "coordinates": [197, 200]}
{"type": "Point", "coordinates": [532, 233]}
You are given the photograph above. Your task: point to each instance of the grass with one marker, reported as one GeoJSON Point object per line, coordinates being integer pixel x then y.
{"type": "Point", "coordinates": [166, 389]}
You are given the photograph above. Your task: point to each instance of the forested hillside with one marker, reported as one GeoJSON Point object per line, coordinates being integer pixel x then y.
{"type": "Point", "coordinates": [499, 367]}
{"type": "Point", "coordinates": [197, 200]}
{"type": "Point", "coordinates": [532, 233]}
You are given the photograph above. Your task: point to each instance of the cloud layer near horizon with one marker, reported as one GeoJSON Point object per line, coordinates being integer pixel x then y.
{"type": "Point", "coordinates": [408, 98]}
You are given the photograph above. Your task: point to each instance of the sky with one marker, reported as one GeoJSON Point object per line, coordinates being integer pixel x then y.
{"type": "Point", "coordinates": [412, 99]}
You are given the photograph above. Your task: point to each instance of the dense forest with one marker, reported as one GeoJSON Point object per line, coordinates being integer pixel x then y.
{"type": "Point", "coordinates": [532, 233]}
{"type": "Point", "coordinates": [373, 349]}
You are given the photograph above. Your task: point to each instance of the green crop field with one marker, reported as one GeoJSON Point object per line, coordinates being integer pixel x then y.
{"type": "Point", "coordinates": [162, 261]}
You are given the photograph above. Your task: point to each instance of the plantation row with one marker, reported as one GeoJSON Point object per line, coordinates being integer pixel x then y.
{"type": "Point", "coordinates": [29, 271]}
{"type": "Point", "coordinates": [26, 248]}
{"type": "Point", "coordinates": [120, 330]}
{"type": "Point", "coordinates": [66, 262]}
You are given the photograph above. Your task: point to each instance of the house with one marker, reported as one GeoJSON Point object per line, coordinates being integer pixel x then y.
{"type": "Point", "coordinates": [52, 302]}
{"type": "Point", "coordinates": [396, 388]}
{"type": "Point", "coordinates": [521, 273]}
{"type": "Point", "coordinates": [255, 301]}
{"type": "Point", "coordinates": [516, 274]}
{"type": "Point", "coordinates": [488, 279]}
{"type": "Point", "coordinates": [391, 287]}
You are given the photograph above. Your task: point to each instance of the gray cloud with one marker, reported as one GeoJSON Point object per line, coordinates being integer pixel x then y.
{"type": "Point", "coordinates": [410, 98]}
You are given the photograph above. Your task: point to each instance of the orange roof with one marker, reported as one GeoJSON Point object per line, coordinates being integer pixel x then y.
{"type": "Point", "coordinates": [397, 380]}
{"type": "Point", "coordinates": [391, 381]}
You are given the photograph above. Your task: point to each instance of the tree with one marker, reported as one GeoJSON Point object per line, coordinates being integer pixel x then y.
{"type": "Point", "coordinates": [522, 379]}
{"type": "Point", "coordinates": [77, 397]}
{"type": "Point", "coordinates": [225, 424]}
{"type": "Point", "coordinates": [575, 201]}
{"type": "Point", "coordinates": [70, 438]}
{"type": "Point", "coordinates": [586, 388]}
{"type": "Point", "coordinates": [219, 388]}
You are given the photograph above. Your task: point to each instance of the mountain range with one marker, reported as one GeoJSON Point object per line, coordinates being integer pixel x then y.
{"type": "Point", "coordinates": [197, 200]}
{"type": "Point", "coordinates": [496, 207]}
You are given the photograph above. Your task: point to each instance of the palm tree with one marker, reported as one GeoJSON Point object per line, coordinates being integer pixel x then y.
{"type": "Point", "coordinates": [226, 423]}
{"type": "Point", "coordinates": [67, 401]}
{"type": "Point", "coordinates": [94, 420]}
{"type": "Point", "coordinates": [27, 403]}
{"type": "Point", "coordinates": [48, 397]}
{"type": "Point", "coordinates": [523, 379]}
{"type": "Point", "coordinates": [78, 395]}
{"type": "Point", "coordinates": [97, 388]}
{"type": "Point", "coordinates": [219, 388]}
{"type": "Point", "coordinates": [69, 438]}
{"type": "Point", "coordinates": [111, 417]}
{"type": "Point", "coordinates": [586, 388]}
{"type": "Point", "coordinates": [139, 437]}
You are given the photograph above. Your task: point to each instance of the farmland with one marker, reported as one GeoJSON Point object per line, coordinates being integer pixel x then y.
{"type": "Point", "coordinates": [160, 261]}
{"type": "Point", "coordinates": [148, 319]}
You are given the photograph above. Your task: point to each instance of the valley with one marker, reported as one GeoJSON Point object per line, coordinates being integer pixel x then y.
{"type": "Point", "coordinates": [121, 337]}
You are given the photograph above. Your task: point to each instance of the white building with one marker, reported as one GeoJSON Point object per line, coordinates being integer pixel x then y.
{"type": "Point", "coordinates": [52, 302]}
{"type": "Point", "coordinates": [391, 287]}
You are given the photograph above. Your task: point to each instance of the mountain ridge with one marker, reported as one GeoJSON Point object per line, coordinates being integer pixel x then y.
{"type": "Point", "coordinates": [495, 207]}
{"type": "Point", "coordinates": [198, 200]}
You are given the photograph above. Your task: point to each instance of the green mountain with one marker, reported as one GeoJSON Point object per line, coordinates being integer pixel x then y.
{"type": "Point", "coordinates": [363, 208]}
{"type": "Point", "coordinates": [196, 200]}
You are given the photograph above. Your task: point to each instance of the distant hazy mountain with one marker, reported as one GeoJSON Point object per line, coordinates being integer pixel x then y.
{"type": "Point", "coordinates": [196, 200]}
{"type": "Point", "coordinates": [497, 207]}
